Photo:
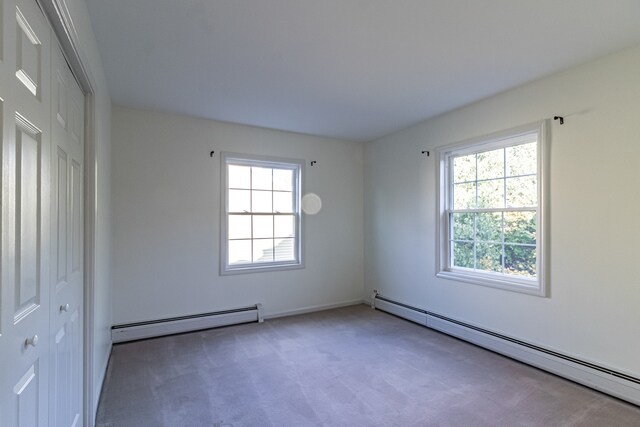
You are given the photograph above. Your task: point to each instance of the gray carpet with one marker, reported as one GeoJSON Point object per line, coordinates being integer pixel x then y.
{"type": "Point", "coordinates": [346, 367]}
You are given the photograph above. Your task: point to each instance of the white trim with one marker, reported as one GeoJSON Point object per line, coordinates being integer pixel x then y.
{"type": "Point", "coordinates": [515, 284]}
{"type": "Point", "coordinates": [91, 388]}
{"type": "Point", "coordinates": [313, 308]}
{"type": "Point", "coordinates": [295, 165]}
{"type": "Point", "coordinates": [97, 391]}
{"type": "Point", "coordinates": [258, 268]}
{"type": "Point", "coordinates": [514, 136]}
{"type": "Point", "coordinates": [61, 21]}
{"type": "Point", "coordinates": [601, 381]}
{"type": "Point", "coordinates": [593, 378]}
{"type": "Point", "coordinates": [162, 328]}
{"type": "Point", "coordinates": [404, 312]}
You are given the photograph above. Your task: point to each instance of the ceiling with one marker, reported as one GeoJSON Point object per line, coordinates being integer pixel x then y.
{"type": "Point", "coordinates": [349, 69]}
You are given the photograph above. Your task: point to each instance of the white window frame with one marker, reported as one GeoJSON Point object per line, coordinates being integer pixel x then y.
{"type": "Point", "coordinates": [534, 286]}
{"type": "Point", "coordinates": [297, 167]}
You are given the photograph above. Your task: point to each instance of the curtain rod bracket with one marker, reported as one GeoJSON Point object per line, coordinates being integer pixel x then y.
{"type": "Point", "coordinates": [426, 152]}
{"type": "Point", "coordinates": [559, 118]}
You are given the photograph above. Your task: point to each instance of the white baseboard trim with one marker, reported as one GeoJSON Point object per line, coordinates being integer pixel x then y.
{"type": "Point", "coordinates": [99, 382]}
{"type": "Point", "coordinates": [601, 381]}
{"type": "Point", "coordinates": [312, 309]}
{"type": "Point", "coordinates": [143, 330]}
{"type": "Point", "coordinates": [400, 311]}
{"type": "Point", "coordinates": [162, 327]}
{"type": "Point", "coordinates": [600, 378]}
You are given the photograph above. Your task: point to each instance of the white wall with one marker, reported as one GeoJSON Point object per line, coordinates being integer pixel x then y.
{"type": "Point", "coordinates": [167, 213]}
{"type": "Point", "coordinates": [592, 312]}
{"type": "Point", "coordinates": [102, 280]}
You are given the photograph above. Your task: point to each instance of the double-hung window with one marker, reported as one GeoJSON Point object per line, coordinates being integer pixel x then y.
{"type": "Point", "coordinates": [492, 216]}
{"type": "Point", "coordinates": [261, 223]}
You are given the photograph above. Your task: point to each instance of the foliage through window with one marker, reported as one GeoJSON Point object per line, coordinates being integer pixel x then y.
{"type": "Point", "coordinates": [491, 193]}
{"type": "Point", "coordinates": [261, 221]}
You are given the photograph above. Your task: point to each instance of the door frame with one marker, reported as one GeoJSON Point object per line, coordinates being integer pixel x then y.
{"type": "Point", "coordinates": [59, 16]}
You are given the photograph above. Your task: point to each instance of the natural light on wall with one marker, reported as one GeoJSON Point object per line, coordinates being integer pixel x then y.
{"type": "Point", "coordinates": [491, 206]}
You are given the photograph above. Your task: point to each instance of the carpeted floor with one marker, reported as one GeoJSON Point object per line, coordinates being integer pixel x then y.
{"type": "Point", "coordinates": [346, 367]}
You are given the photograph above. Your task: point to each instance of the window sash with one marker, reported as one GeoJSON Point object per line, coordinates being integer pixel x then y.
{"type": "Point", "coordinates": [490, 210]}
{"type": "Point", "coordinates": [451, 240]}
{"type": "Point", "coordinates": [536, 285]}
{"type": "Point", "coordinates": [270, 163]}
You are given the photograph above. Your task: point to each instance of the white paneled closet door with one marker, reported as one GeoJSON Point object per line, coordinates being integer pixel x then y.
{"type": "Point", "coordinates": [67, 137]}
{"type": "Point", "coordinates": [24, 287]}
{"type": "Point", "coordinates": [41, 281]}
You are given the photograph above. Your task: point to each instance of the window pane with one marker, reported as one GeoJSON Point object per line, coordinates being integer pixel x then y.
{"type": "Point", "coordinates": [282, 201]}
{"type": "Point", "coordinates": [522, 192]}
{"type": "Point", "coordinates": [284, 226]}
{"type": "Point", "coordinates": [520, 260]}
{"type": "Point", "coordinates": [262, 226]}
{"type": "Point", "coordinates": [261, 201]}
{"type": "Point", "coordinates": [263, 250]}
{"type": "Point", "coordinates": [463, 226]}
{"type": "Point", "coordinates": [489, 227]}
{"type": "Point", "coordinates": [489, 203]}
{"type": "Point", "coordinates": [239, 251]}
{"type": "Point", "coordinates": [239, 201]}
{"type": "Point", "coordinates": [491, 194]}
{"type": "Point", "coordinates": [522, 159]}
{"type": "Point", "coordinates": [489, 257]}
{"type": "Point", "coordinates": [262, 213]}
{"type": "Point", "coordinates": [520, 227]}
{"type": "Point", "coordinates": [464, 168]}
{"type": "Point", "coordinates": [491, 164]}
{"type": "Point", "coordinates": [462, 254]}
{"type": "Point", "coordinates": [239, 176]}
{"type": "Point", "coordinates": [284, 250]}
{"type": "Point", "coordinates": [261, 178]}
{"type": "Point", "coordinates": [283, 179]}
{"type": "Point", "coordinates": [464, 196]}
{"type": "Point", "coordinates": [239, 227]}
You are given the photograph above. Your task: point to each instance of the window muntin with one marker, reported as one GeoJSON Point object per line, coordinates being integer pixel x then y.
{"type": "Point", "coordinates": [261, 213]}
{"type": "Point", "coordinates": [492, 204]}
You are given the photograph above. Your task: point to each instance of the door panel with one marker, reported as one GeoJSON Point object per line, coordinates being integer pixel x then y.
{"type": "Point", "coordinates": [60, 186]}
{"type": "Point", "coordinates": [76, 217]}
{"type": "Point", "coordinates": [28, 152]}
{"type": "Point", "coordinates": [60, 368]}
{"type": "Point", "coordinates": [66, 300]}
{"type": "Point", "coordinates": [26, 397]}
{"type": "Point", "coordinates": [25, 215]}
{"type": "Point", "coordinates": [28, 53]}
{"type": "Point", "coordinates": [75, 368]}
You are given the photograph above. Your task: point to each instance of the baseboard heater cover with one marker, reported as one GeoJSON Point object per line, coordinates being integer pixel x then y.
{"type": "Point", "coordinates": [606, 380]}
{"type": "Point", "coordinates": [181, 324]}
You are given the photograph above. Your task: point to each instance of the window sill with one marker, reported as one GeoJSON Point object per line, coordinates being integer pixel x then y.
{"type": "Point", "coordinates": [230, 271]}
{"type": "Point", "coordinates": [525, 286]}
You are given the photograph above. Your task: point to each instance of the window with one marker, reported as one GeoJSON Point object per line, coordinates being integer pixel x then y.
{"type": "Point", "coordinates": [492, 219]}
{"type": "Point", "coordinates": [261, 214]}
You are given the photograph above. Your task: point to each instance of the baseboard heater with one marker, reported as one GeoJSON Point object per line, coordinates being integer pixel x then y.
{"type": "Point", "coordinates": [606, 380]}
{"type": "Point", "coordinates": [194, 322]}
